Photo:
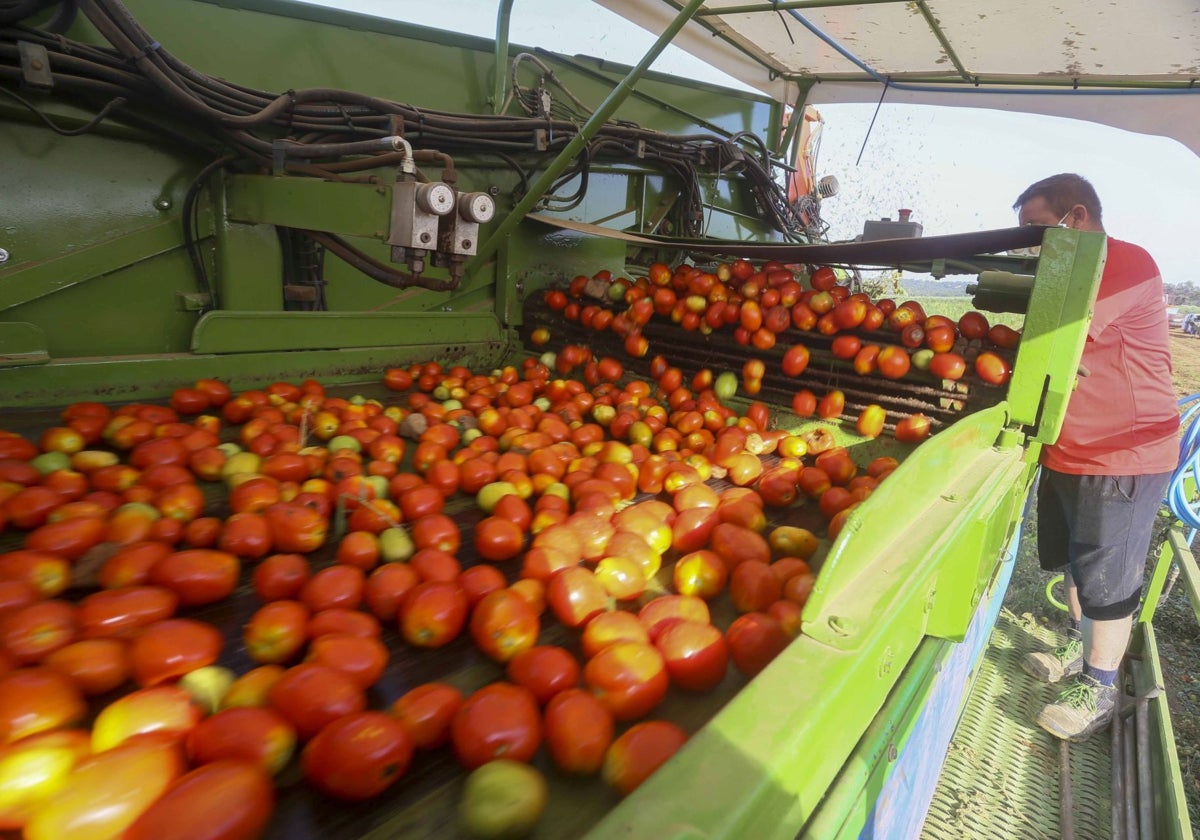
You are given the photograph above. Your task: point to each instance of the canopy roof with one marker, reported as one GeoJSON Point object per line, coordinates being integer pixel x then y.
{"type": "Point", "coordinates": [1130, 65]}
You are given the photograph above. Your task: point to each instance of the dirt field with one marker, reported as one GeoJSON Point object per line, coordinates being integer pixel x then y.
{"type": "Point", "coordinates": [1175, 623]}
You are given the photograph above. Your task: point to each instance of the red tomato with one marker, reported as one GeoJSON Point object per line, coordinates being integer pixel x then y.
{"type": "Point", "coordinates": [795, 360]}
{"type": "Point", "coordinates": [246, 535]}
{"type": "Point", "coordinates": [358, 756]}
{"type": "Point", "coordinates": [123, 612]}
{"type": "Point", "coordinates": [478, 581]}
{"type": "Point", "coordinates": [432, 614]}
{"type": "Point", "coordinates": [753, 586]}
{"type": "Point", "coordinates": [295, 528]}
{"type": "Point", "coordinates": [30, 632]}
{"type": "Point", "coordinates": [947, 366]}
{"type": "Point", "coordinates": [695, 654]}
{"type": "Point", "coordinates": [831, 405]}
{"type": "Point", "coordinates": [197, 575]}
{"type": "Point", "coordinates": [845, 346]}
{"type": "Point", "coordinates": [36, 700]}
{"type": "Point", "coordinates": [280, 577]}
{"type": "Point", "coordinates": [579, 730]}
{"type": "Point", "coordinates": [609, 628]}
{"type": "Point", "coordinates": [545, 670]}
{"type": "Point", "coordinates": [217, 801]}
{"type": "Point", "coordinates": [913, 429]}
{"type": "Point", "coordinates": [804, 403]}
{"type": "Point", "coordinates": [992, 369]}
{"type": "Point", "coordinates": [755, 639]}
{"type": "Point", "coordinates": [629, 678]}
{"type": "Point", "coordinates": [503, 624]}
{"type": "Point", "coordinates": [500, 720]}
{"type": "Point", "coordinates": [97, 666]}
{"type": "Point", "coordinates": [386, 587]}
{"type": "Point", "coordinates": [109, 791]}
{"type": "Point", "coordinates": [973, 326]}
{"type": "Point", "coordinates": [310, 696]}
{"type": "Point", "coordinates": [258, 735]}
{"type": "Point", "coordinates": [893, 362]}
{"type": "Point", "coordinates": [171, 648]}
{"type": "Point", "coordinates": [165, 709]}
{"type": "Point", "coordinates": [362, 658]}
{"type": "Point", "coordinates": [735, 544]}
{"type": "Point", "coordinates": [665, 608]}
{"type": "Point", "coordinates": [68, 538]}
{"type": "Point", "coordinates": [642, 749]}
{"type": "Point", "coordinates": [426, 712]}
{"type": "Point", "coordinates": [575, 596]}
{"type": "Point", "coordinates": [29, 508]}
{"type": "Point", "coordinates": [339, 586]}
{"type": "Point", "coordinates": [497, 538]}
{"type": "Point", "coordinates": [130, 565]}
{"type": "Point", "coordinates": [276, 631]}
{"type": "Point", "coordinates": [436, 530]}
{"type": "Point", "coordinates": [344, 622]}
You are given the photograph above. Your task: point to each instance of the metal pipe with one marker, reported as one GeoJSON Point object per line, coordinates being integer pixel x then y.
{"type": "Point", "coordinates": [1117, 762]}
{"type": "Point", "coordinates": [503, 19]}
{"type": "Point", "coordinates": [1066, 804]}
{"type": "Point", "coordinates": [936, 28]}
{"type": "Point", "coordinates": [1141, 723]}
{"type": "Point", "coordinates": [607, 108]}
{"type": "Point", "coordinates": [789, 4]}
{"type": "Point", "coordinates": [1131, 823]}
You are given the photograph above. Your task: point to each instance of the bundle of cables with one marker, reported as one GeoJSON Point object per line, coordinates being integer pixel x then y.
{"type": "Point", "coordinates": [138, 74]}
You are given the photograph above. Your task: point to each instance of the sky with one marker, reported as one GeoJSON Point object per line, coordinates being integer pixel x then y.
{"type": "Point", "coordinates": [958, 170]}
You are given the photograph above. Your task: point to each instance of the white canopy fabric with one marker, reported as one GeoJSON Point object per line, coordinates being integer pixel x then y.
{"type": "Point", "coordinates": [1132, 65]}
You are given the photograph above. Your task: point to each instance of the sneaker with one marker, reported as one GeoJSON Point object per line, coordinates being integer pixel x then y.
{"type": "Point", "coordinates": [1065, 661]}
{"type": "Point", "coordinates": [1083, 708]}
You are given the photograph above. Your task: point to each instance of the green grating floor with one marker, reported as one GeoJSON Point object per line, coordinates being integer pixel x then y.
{"type": "Point", "coordinates": [1001, 775]}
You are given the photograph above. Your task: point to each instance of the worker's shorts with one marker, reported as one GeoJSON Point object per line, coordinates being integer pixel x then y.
{"type": "Point", "coordinates": [1100, 526]}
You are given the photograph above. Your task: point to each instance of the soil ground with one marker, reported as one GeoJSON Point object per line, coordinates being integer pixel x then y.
{"type": "Point", "coordinates": [1175, 623]}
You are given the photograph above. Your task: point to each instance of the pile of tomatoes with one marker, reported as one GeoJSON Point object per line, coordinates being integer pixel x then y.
{"type": "Point", "coordinates": [595, 506]}
{"type": "Point", "coordinates": [763, 306]}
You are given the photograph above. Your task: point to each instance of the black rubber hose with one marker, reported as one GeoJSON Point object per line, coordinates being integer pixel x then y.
{"type": "Point", "coordinates": [11, 13]}
{"type": "Point", "coordinates": [374, 269]}
{"type": "Point", "coordinates": [64, 17]}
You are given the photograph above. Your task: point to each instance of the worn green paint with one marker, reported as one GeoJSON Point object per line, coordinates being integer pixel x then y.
{"type": "Point", "coordinates": [258, 332]}
{"type": "Point", "coordinates": [156, 376]}
{"type": "Point", "coordinates": [22, 343]}
{"type": "Point", "coordinates": [346, 208]}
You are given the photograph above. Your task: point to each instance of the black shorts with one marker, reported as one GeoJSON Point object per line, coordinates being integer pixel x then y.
{"type": "Point", "coordinates": [1100, 526]}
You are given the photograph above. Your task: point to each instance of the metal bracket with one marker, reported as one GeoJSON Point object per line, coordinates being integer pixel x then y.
{"type": "Point", "coordinates": [35, 66]}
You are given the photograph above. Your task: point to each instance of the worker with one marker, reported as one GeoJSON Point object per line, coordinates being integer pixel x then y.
{"type": "Point", "coordinates": [1103, 481]}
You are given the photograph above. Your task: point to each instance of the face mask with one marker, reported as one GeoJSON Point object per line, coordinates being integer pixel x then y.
{"type": "Point", "coordinates": [1037, 249]}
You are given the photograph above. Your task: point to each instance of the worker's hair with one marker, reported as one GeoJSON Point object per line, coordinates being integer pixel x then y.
{"type": "Point", "coordinates": [1061, 193]}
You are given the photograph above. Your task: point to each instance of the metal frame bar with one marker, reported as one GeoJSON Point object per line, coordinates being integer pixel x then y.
{"type": "Point", "coordinates": [607, 108]}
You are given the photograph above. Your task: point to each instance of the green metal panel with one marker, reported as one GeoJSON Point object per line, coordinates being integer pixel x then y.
{"type": "Point", "coordinates": [257, 332]}
{"type": "Point", "coordinates": [1170, 811]}
{"type": "Point", "coordinates": [140, 308]}
{"type": "Point", "coordinates": [1055, 330]}
{"type": "Point", "coordinates": [350, 209]}
{"type": "Point", "coordinates": [155, 377]}
{"type": "Point", "coordinates": [760, 767]}
{"type": "Point", "coordinates": [22, 343]}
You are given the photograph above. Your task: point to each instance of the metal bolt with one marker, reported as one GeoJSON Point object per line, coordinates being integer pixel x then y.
{"type": "Point", "coordinates": [466, 243]}
{"type": "Point", "coordinates": [162, 203]}
{"type": "Point", "coordinates": [425, 237]}
{"type": "Point", "coordinates": [36, 64]}
{"type": "Point", "coordinates": [493, 190]}
{"type": "Point", "coordinates": [3, 256]}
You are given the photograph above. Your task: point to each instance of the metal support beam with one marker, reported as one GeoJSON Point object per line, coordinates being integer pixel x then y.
{"type": "Point", "coordinates": [936, 29]}
{"type": "Point", "coordinates": [784, 5]}
{"type": "Point", "coordinates": [500, 89]}
{"type": "Point", "coordinates": [607, 108]}
{"type": "Point", "coordinates": [310, 203]}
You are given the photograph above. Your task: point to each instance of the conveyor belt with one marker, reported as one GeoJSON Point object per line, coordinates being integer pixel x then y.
{"type": "Point", "coordinates": [986, 792]}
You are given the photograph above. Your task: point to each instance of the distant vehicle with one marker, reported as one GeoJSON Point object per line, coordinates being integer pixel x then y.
{"type": "Point", "coordinates": [1191, 324]}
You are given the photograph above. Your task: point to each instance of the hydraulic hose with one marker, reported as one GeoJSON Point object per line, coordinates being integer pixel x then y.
{"type": "Point", "coordinates": [1185, 481]}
